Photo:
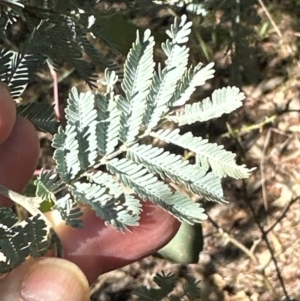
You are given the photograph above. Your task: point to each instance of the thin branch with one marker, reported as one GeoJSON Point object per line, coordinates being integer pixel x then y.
{"type": "Point", "coordinates": [248, 128]}
{"type": "Point", "coordinates": [263, 159]}
{"type": "Point", "coordinates": [275, 26]}
{"type": "Point", "coordinates": [262, 172]}
{"type": "Point", "coordinates": [266, 240]}
{"type": "Point", "coordinates": [270, 18]}
{"type": "Point", "coordinates": [55, 92]}
{"type": "Point", "coordinates": [37, 172]}
{"type": "Point", "coordinates": [282, 216]}
{"type": "Point", "coordinates": [233, 240]}
{"type": "Point", "coordinates": [264, 234]}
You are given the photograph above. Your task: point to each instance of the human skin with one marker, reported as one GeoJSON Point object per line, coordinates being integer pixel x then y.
{"type": "Point", "coordinates": [89, 252]}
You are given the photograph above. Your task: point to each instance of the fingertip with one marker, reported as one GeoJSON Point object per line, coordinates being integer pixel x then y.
{"type": "Point", "coordinates": [7, 114]}
{"type": "Point", "coordinates": [98, 248]}
{"type": "Point", "coordinates": [45, 279]}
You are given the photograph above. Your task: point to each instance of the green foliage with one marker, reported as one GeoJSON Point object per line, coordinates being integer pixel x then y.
{"type": "Point", "coordinates": [19, 240]}
{"type": "Point", "coordinates": [167, 283]}
{"type": "Point", "coordinates": [56, 32]}
{"type": "Point", "coordinates": [222, 101]}
{"type": "Point", "coordinates": [208, 155]}
{"type": "Point", "coordinates": [100, 128]}
{"type": "Point", "coordinates": [15, 69]}
{"type": "Point", "coordinates": [220, 25]}
{"type": "Point", "coordinates": [69, 211]}
{"type": "Point", "coordinates": [41, 115]}
{"type": "Point", "coordinates": [32, 236]}
{"type": "Point", "coordinates": [101, 157]}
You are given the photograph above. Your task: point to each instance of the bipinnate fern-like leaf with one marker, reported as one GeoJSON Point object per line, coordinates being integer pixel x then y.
{"type": "Point", "coordinates": [127, 202]}
{"type": "Point", "coordinates": [183, 209]}
{"type": "Point", "coordinates": [209, 155]}
{"type": "Point", "coordinates": [106, 180]}
{"type": "Point", "coordinates": [5, 63]}
{"type": "Point", "coordinates": [97, 58]}
{"type": "Point", "coordinates": [66, 152]}
{"type": "Point", "coordinates": [46, 185]}
{"type": "Point", "coordinates": [10, 10]}
{"type": "Point", "coordinates": [171, 166]}
{"type": "Point", "coordinates": [107, 207]}
{"type": "Point", "coordinates": [69, 211]}
{"type": "Point", "coordinates": [35, 234]}
{"type": "Point", "coordinates": [138, 72]}
{"type": "Point", "coordinates": [101, 127]}
{"type": "Point", "coordinates": [223, 101]}
{"type": "Point", "coordinates": [58, 33]}
{"type": "Point", "coordinates": [222, 162]}
{"type": "Point", "coordinates": [165, 80]}
{"type": "Point", "coordinates": [108, 127]}
{"type": "Point", "coordinates": [15, 70]}
{"type": "Point", "coordinates": [192, 78]}
{"type": "Point", "coordinates": [191, 288]}
{"type": "Point", "coordinates": [148, 187]}
{"type": "Point", "coordinates": [19, 240]}
{"type": "Point", "coordinates": [19, 73]}
{"type": "Point", "coordinates": [101, 158]}
{"type": "Point", "coordinates": [40, 114]}
{"type": "Point", "coordinates": [76, 145]}
{"type": "Point", "coordinates": [81, 114]}
{"type": "Point", "coordinates": [166, 284]}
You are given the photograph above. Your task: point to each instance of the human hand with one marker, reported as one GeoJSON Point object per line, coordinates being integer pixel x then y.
{"type": "Point", "coordinates": [89, 252]}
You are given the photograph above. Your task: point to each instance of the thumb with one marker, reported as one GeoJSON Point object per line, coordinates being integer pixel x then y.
{"type": "Point", "coordinates": [45, 279]}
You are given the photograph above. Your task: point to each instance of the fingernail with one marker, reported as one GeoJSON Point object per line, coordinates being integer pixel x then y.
{"type": "Point", "coordinates": [54, 279]}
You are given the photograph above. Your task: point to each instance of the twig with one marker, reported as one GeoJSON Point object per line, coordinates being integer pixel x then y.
{"type": "Point", "coordinates": [257, 126]}
{"type": "Point", "coordinates": [55, 93]}
{"type": "Point", "coordinates": [270, 18]}
{"type": "Point", "coordinates": [266, 240]}
{"type": "Point", "coordinates": [249, 128]}
{"type": "Point", "coordinates": [262, 172]}
{"type": "Point", "coordinates": [292, 201]}
{"type": "Point", "coordinates": [233, 240]}
{"type": "Point", "coordinates": [37, 172]}
{"type": "Point", "coordinates": [262, 162]}
{"type": "Point", "coordinates": [274, 25]}
{"type": "Point", "coordinates": [264, 234]}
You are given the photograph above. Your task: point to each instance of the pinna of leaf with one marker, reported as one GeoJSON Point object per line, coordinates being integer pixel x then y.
{"type": "Point", "coordinates": [102, 127]}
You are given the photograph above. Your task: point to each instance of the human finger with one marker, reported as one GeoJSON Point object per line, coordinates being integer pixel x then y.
{"type": "Point", "coordinates": [45, 279]}
{"type": "Point", "coordinates": [18, 157]}
{"type": "Point", "coordinates": [98, 248]}
{"type": "Point", "coordinates": [7, 113]}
